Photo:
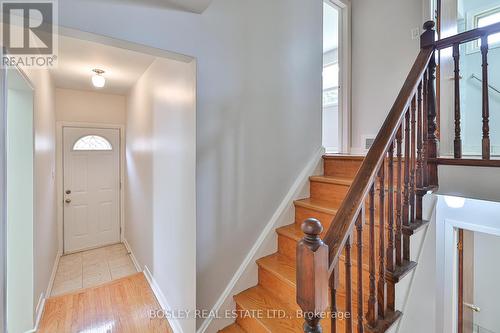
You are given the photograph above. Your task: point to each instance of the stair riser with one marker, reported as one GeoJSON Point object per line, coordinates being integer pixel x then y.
{"type": "Point", "coordinates": [278, 287]}
{"type": "Point", "coordinates": [341, 167]}
{"type": "Point", "coordinates": [287, 293]}
{"type": "Point", "coordinates": [302, 214]}
{"type": "Point", "coordinates": [287, 247]}
{"type": "Point", "coordinates": [332, 193]}
{"type": "Point", "coordinates": [250, 324]}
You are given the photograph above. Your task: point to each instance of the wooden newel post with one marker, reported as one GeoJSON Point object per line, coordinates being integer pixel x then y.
{"type": "Point", "coordinates": [427, 40]}
{"type": "Point", "coordinates": [312, 275]}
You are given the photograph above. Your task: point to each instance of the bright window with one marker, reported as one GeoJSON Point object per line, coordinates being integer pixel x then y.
{"type": "Point", "coordinates": [92, 142]}
{"type": "Point", "coordinates": [331, 84]}
{"type": "Point", "coordinates": [489, 18]}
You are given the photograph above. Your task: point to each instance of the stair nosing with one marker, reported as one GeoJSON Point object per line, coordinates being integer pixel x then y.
{"type": "Point", "coordinates": [319, 206]}
{"type": "Point", "coordinates": [273, 272]}
{"type": "Point", "coordinates": [342, 181]}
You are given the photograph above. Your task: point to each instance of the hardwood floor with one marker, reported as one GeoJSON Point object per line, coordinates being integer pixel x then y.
{"type": "Point", "coordinates": [119, 306]}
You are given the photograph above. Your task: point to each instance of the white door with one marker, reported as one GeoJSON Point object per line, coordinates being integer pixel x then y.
{"type": "Point", "coordinates": [91, 187]}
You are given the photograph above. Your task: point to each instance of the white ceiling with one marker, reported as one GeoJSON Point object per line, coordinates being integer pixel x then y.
{"type": "Point", "coordinates": [77, 58]}
{"type": "Point", "coordinates": [194, 6]}
{"type": "Point", "coordinates": [330, 28]}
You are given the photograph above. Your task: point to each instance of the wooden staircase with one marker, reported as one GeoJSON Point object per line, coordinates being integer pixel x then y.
{"type": "Point", "coordinates": [349, 246]}
{"type": "Point", "coordinates": [277, 272]}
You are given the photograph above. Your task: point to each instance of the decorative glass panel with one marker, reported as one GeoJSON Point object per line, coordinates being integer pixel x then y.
{"type": "Point", "coordinates": [92, 142]}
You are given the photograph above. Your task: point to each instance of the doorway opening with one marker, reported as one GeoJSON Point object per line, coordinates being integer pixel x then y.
{"type": "Point", "coordinates": [477, 279]}
{"type": "Point", "coordinates": [20, 203]}
{"type": "Point", "coordinates": [336, 76]}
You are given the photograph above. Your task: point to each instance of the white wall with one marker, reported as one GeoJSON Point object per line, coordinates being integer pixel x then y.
{"type": "Point", "coordinates": [258, 109]}
{"type": "Point", "coordinates": [89, 107]}
{"type": "Point", "coordinates": [20, 212]}
{"type": "Point", "coordinates": [45, 190]}
{"type": "Point", "coordinates": [415, 294]}
{"type": "Point", "coordinates": [161, 169]}
{"type": "Point", "coordinates": [382, 55]}
{"type": "Point", "coordinates": [470, 182]}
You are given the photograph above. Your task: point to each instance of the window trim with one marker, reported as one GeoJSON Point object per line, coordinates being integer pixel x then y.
{"type": "Point", "coordinates": [473, 18]}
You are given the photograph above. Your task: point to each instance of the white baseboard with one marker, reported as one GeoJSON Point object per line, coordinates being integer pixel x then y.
{"type": "Point", "coordinates": [246, 275]}
{"type": "Point", "coordinates": [132, 256]}
{"type": "Point", "coordinates": [174, 323]}
{"type": "Point", "coordinates": [43, 296]}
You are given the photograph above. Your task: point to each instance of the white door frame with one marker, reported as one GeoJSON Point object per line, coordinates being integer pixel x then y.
{"type": "Point", "coordinates": [60, 174]}
{"type": "Point", "coordinates": [345, 75]}
{"type": "Point", "coordinates": [470, 214]}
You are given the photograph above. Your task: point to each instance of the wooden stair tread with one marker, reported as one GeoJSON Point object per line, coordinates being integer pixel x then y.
{"type": "Point", "coordinates": [259, 300]}
{"type": "Point", "coordinates": [414, 227]}
{"type": "Point", "coordinates": [281, 266]}
{"type": "Point", "coordinates": [291, 231]}
{"type": "Point", "coordinates": [318, 205]}
{"type": "Point", "coordinates": [234, 328]}
{"type": "Point", "coordinates": [346, 181]}
{"type": "Point", "coordinates": [343, 157]}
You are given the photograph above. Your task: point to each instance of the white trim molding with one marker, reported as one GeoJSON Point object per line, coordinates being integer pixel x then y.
{"type": "Point", "coordinates": [132, 256]}
{"type": "Point", "coordinates": [174, 323]}
{"type": "Point", "coordinates": [43, 296]}
{"type": "Point", "coordinates": [246, 275]}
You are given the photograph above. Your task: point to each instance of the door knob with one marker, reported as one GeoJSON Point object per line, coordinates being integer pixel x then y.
{"type": "Point", "coordinates": [68, 191]}
{"type": "Point", "coordinates": [67, 201]}
{"type": "Point", "coordinates": [473, 307]}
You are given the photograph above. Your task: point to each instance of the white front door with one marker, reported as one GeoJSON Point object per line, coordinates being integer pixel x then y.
{"type": "Point", "coordinates": [91, 187]}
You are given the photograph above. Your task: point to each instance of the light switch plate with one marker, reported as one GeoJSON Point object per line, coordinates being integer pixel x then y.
{"type": "Point", "coordinates": [415, 33]}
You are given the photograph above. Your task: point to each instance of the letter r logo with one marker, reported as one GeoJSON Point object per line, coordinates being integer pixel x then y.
{"type": "Point", "coordinates": [28, 27]}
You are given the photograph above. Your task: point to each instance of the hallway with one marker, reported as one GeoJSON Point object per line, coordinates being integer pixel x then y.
{"type": "Point", "coordinates": [118, 306]}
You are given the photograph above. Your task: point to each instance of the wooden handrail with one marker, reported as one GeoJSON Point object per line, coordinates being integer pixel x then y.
{"type": "Point", "coordinates": [344, 220]}
{"type": "Point", "coordinates": [467, 36]}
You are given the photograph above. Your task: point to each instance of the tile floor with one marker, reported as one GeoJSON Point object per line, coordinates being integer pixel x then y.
{"type": "Point", "coordinates": [91, 268]}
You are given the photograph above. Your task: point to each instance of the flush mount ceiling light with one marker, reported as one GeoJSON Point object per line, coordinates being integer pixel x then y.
{"type": "Point", "coordinates": [97, 79]}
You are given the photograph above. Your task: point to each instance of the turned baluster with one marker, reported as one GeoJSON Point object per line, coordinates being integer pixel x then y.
{"type": "Point", "coordinates": [420, 191]}
{"type": "Point", "coordinates": [425, 175]}
{"type": "Point", "coordinates": [391, 292]}
{"type": "Point", "coordinates": [359, 229]}
{"type": "Point", "coordinates": [457, 143]}
{"type": "Point", "coordinates": [372, 312]}
{"type": "Point", "coordinates": [406, 194]}
{"type": "Point", "coordinates": [334, 285]}
{"type": "Point", "coordinates": [486, 102]}
{"type": "Point", "coordinates": [348, 285]}
{"type": "Point", "coordinates": [399, 227]}
{"type": "Point", "coordinates": [312, 275]}
{"type": "Point", "coordinates": [412, 158]}
{"type": "Point", "coordinates": [381, 288]}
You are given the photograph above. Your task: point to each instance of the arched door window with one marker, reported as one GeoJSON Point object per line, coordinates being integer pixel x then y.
{"type": "Point", "coordinates": [92, 142]}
